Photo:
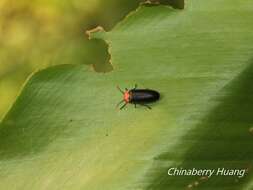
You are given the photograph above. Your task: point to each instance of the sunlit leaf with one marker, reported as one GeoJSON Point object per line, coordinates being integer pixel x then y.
{"type": "Point", "coordinates": [64, 131]}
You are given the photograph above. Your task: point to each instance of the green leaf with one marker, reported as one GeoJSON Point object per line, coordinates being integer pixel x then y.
{"type": "Point", "coordinates": [64, 131]}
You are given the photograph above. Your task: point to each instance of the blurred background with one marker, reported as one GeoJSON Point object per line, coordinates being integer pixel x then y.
{"type": "Point", "coordinates": [41, 33]}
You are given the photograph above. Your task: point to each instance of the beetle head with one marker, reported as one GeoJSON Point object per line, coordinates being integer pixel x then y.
{"type": "Point", "coordinates": [126, 96]}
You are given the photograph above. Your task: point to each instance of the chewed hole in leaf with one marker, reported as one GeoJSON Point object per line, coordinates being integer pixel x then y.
{"type": "Point", "coordinates": [176, 4]}
{"type": "Point", "coordinates": [102, 61]}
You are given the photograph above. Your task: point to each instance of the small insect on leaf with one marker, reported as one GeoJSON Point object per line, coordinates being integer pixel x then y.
{"type": "Point", "coordinates": [138, 96]}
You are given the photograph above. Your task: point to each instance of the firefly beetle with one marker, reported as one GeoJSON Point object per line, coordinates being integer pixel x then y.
{"type": "Point", "coordinates": [138, 96]}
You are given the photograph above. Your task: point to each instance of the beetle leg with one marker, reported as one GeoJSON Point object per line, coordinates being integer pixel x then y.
{"type": "Point", "coordinates": [135, 105]}
{"type": "Point", "coordinates": [120, 90]}
{"type": "Point", "coordinates": [135, 86]}
{"type": "Point", "coordinates": [146, 106]}
{"type": "Point", "coordinates": [123, 106]}
{"type": "Point", "coordinates": [119, 103]}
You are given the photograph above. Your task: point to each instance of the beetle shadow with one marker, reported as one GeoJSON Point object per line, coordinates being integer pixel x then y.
{"type": "Point", "coordinates": [223, 139]}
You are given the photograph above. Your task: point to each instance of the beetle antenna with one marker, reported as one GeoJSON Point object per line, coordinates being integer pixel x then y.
{"type": "Point", "coordinates": [120, 90]}
{"type": "Point", "coordinates": [119, 103]}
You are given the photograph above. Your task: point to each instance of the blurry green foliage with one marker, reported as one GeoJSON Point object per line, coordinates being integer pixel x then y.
{"type": "Point", "coordinates": [40, 33]}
